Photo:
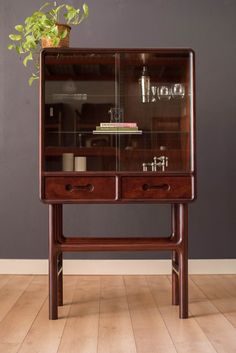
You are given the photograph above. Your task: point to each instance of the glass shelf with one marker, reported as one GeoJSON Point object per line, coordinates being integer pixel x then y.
{"type": "Point", "coordinates": [139, 132]}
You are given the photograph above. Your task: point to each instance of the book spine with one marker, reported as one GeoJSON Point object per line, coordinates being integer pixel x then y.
{"type": "Point", "coordinates": [110, 128]}
{"type": "Point", "coordinates": [130, 125]}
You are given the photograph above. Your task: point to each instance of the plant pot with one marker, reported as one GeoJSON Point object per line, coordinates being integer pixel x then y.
{"type": "Point", "coordinates": [64, 43]}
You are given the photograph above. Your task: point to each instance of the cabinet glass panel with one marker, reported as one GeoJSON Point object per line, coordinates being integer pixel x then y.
{"type": "Point", "coordinates": [124, 111]}
{"type": "Point", "coordinates": [155, 94]}
{"type": "Point", "coordinates": [79, 94]}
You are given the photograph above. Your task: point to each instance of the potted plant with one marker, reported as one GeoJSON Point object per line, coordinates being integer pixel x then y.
{"type": "Point", "coordinates": [43, 29]}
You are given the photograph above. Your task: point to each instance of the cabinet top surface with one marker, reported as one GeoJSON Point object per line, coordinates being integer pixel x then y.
{"type": "Point", "coordinates": [177, 51]}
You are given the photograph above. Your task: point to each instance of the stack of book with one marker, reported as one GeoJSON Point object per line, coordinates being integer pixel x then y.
{"type": "Point", "coordinates": [129, 128]}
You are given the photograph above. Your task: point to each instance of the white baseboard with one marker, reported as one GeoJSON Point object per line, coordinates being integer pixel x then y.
{"type": "Point", "coordinates": [116, 267]}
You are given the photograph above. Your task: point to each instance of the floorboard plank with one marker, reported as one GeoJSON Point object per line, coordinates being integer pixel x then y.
{"type": "Point", "coordinates": [4, 279]}
{"type": "Point", "coordinates": [227, 305]}
{"type": "Point", "coordinates": [16, 324]}
{"type": "Point", "coordinates": [213, 322]}
{"type": "Point", "coordinates": [45, 335]}
{"type": "Point", "coordinates": [11, 291]}
{"type": "Point", "coordinates": [81, 329]}
{"type": "Point", "coordinates": [115, 327]}
{"type": "Point", "coordinates": [151, 334]}
{"type": "Point", "coordinates": [186, 334]}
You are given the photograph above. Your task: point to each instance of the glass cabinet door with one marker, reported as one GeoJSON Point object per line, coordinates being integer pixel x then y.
{"type": "Point", "coordinates": [80, 92]}
{"type": "Point", "coordinates": [156, 95]}
{"type": "Point", "coordinates": [128, 111]}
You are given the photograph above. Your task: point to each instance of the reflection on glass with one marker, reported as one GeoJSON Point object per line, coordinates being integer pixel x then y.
{"type": "Point", "coordinates": [145, 86]}
{"type": "Point", "coordinates": [177, 90]}
{"type": "Point", "coordinates": [154, 92]}
{"type": "Point", "coordinates": [116, 115]}
{"type": "Point", "coordinates": [164, 93]}
{"type": "Point", "coordinates": [84, 90]}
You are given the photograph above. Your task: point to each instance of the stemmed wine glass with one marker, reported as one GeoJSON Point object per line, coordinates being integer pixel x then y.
{"type": "Point", "coordinates": [164, 93]}
{"type": "Point", "coordinates": [154, 92]}
{"type": "Point", "coordinates": [177, 91]}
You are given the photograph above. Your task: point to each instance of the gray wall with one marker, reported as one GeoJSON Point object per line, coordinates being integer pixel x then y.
{"type": "Point", "coordinates": [208, 26]}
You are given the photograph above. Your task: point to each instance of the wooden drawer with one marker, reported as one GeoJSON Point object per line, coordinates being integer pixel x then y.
{"type": "Point", "coordinates": [80, 188]}
{"type": "Point", "coordinates": [157, 188]}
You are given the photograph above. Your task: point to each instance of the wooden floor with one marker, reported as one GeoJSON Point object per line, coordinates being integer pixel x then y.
{"type": "Point", "coordinates": [117, 314]}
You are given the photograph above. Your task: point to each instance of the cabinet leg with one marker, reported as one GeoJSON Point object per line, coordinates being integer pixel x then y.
{"type": "Point", "coordinates": [175, 260]}
{"type": "Point", "coordinates": [60, 279]}
{"type": "Point", "coordinates": [175, 279]}
{"type": "Point", "coordinates": [183, 261]}
{"type": "Point", "coordinates": [53, 268]}
{"type": "Point", "coordinates": [183, 286]}
{"type": "Point", "coordinates": [53, 314]}
{"type": "Point", "coordinates": [60, 255]}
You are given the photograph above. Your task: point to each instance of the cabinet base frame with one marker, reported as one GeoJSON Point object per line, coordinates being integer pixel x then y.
{"type": "Point", "coordinates": [177, 242]}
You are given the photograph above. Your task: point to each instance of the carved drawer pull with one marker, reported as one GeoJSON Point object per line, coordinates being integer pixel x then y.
{"type": "Point", "coordinates": [159, 186]}
{"type": "Point", "coordinates": [87, 187]}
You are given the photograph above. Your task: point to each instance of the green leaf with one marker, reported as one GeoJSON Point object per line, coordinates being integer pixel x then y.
{"type": "Point", "coordinates": [30, 42]}
{"type": "Point", "coordinates": [44, 17]}
{"type": "Point", "coordinates": [38, 14]}
{"type": "Point", "coordinates": [64, 34]}
{"type": "Point", "coordinates": [45, 5]}
{"type": "Point", "coordinates": [53, 31]}
{"type": "Point", "coordinates": [56, 41]}
{"type": "Point", "coordinates": [32, 79]}
{"type": "Point", "coordinates": [27, 58]}
{"type": "Point", "coordinates": [76, 20]}
{"type": "Point", "coordinates": [19, 28]}
{"type": "Point", "coordinates": [70, 16]}
{"type": "Point", "coordinates": [19, 49]}
{"type": "Point", "coordinates": [47, 23]}
{"type": "Point", "coordinates": [29, 38]}
{"type": "Point", "coordinates": [10, 46]}
{"type": "Point", "coordinates": [28, 20]}
{"type": "Point", "coordinates": [29, 29]}
{"type": "Point", "coordinates": [15, 37]}
{"type": "Point", "coordinates": [59, 8]}
{"type": "Point", "coordinates": [33, 45]}
{"type": "Point", "coordinates": [86, 10]}
{"type": "Point", "coordinates": [53, 14]}
{"type": "Point", "coordinates": [70, 8]}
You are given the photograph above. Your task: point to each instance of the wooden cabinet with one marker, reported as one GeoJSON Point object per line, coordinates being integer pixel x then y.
{"type": "Point", "coordinates": [124, 110]}
{"type": "Point", "coordinates": [125, 119]}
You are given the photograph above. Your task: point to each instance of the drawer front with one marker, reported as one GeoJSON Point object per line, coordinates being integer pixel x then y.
{"type": "Point", "coordinates": [80, 188]}
{"type": "Point", "coordinates": [157, 188]}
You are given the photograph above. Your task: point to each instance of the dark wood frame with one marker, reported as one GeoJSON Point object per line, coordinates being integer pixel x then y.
{"type": "Point", "coordinates": [177, 242]}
